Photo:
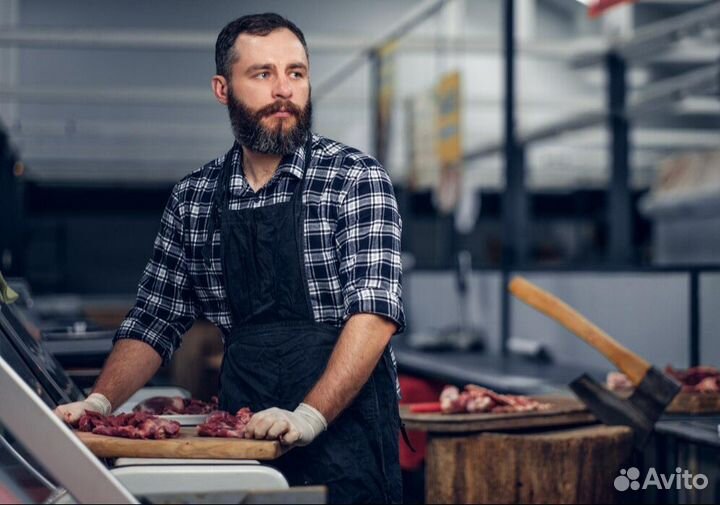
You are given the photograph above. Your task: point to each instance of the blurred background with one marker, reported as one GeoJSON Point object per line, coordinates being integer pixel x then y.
{"type": "Point", "coordinates": [577, 147]}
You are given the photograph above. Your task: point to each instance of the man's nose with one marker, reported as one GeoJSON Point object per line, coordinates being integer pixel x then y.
{"type": "Point", "coordinates": [282, 88]}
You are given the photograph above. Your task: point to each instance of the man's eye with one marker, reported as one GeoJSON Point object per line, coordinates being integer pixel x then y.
{"type": "Point", "coordinates": [297, 75]}
{"type": "Point", "coordinates": [263, 75]}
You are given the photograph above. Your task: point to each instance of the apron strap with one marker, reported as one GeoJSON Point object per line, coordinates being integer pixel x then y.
{"type": "Point", "coordinates": [406, 438]}
{"type": "Point", "coordinates": [217, 203]}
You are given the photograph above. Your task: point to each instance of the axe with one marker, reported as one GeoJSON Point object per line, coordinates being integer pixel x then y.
{"type": "Point", "coordinates": [653, 389]}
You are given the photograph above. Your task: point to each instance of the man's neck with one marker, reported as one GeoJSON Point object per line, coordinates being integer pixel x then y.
{"type": "Point", "coordinates": [259, 168]}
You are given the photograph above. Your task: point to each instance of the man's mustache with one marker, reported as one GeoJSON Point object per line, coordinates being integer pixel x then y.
{"type": "Point", "coordinates": [279, 106]}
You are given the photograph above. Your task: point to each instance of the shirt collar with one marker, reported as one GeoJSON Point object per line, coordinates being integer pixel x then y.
{"type": "Point", "coordinates": [293, 164]}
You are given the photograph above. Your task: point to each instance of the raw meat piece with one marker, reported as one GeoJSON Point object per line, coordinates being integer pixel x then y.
{"type": "Point", "coordinates": [176, 405]}
{"type": "Point", "coordinates": [700, 379]}
{"type": "Point", "coordinates": [158, 405]}
{"type": "Point", "coordinates": [224, 424]}
{"type": "Point", "coordinates": [476, 399]}
{"type": "Point", "coordinates": [197, 407]}
{"type": "Point", "coordinates": [136, 425]}
{"type": "Point", "coordinates": [451, 401]}
{"type": "Point", "coordinates": [617, 381]}
{"type": "Point", "coordinates": [708, 385]}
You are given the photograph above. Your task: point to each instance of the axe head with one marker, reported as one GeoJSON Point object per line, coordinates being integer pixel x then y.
{"type": "Point", "coordinates": [639, 412]}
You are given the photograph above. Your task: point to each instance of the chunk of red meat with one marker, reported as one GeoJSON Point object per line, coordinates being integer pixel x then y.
{"type": "Point", "coordinates": [692, 376]}
{"type": "Point", "coordinates": [699, 379]}
{"type": "Point", "coordinates": [708, 385]}
{"type": "Point", "coordinates": [224, 424]}
{"type": "Point", "coordinates": [176, 405]}
{"type": "Point", "coordinates": [135, 425]}
{"type": "Point", "coordinates": [476, 399]}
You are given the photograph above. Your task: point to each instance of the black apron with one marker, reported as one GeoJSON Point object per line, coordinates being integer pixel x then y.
{"type": "Point", "coordinates": [276, 353]}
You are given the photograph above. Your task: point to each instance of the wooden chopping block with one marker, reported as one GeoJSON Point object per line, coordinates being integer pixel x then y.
{"type": "Point", "coordinates": [186, 446]}
{"type": "Point", "coordinates": [576, 465]}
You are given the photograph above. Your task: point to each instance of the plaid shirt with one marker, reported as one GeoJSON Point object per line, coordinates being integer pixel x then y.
{"type": "Point", "coordinates": [352, 245]}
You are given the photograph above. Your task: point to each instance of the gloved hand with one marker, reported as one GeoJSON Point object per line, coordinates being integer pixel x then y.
{"type": "Point", "coordinates": [292, 428]}
{"type": "Point", "coordinates": [72, 412]}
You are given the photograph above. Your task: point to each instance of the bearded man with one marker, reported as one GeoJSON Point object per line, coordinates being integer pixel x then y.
{"type": "Point", "coordinates": [290, 244]}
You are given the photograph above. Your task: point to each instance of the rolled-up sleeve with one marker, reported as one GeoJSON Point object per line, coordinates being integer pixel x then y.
{"type": "Point", "coordinates": [165, 307]}
{"type": "Point", "coordinates": [368, 241]}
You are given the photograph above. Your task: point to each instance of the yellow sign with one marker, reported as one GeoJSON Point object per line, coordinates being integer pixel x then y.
{"type": "Point", "coordinates": [449, 141]}
{"type": "Point", "coordinates": [448, 123]}
{"type": "Point", "coordinates": [435, 132]}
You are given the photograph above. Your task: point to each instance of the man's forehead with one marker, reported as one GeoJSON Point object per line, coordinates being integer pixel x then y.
{"type": "Point", "coordinates": [278, 43]}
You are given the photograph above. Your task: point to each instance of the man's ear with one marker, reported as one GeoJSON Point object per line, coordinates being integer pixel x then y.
{"type": "Point", "coordinates": [220, 88]}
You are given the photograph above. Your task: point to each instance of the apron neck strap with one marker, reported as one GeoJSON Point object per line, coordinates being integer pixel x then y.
{"type": "Point", "coordinates": [222, 180]}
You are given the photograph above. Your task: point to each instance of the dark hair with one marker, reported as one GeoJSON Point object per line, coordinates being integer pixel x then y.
{"type": "Point", "coordinates": [253, 24]}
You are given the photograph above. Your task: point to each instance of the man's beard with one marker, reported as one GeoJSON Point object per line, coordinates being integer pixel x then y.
{"type": "Point", "coordinates": [250, 132]}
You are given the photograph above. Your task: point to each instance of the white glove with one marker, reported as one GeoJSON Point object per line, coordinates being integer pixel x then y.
{"type": "Point", "coordinates": [72, 412]}
{"type": "Point", "coordinates": [292, 428]}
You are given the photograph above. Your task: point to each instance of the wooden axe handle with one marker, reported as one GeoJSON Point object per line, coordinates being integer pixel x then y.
{"type": "Point", "coordinates": [627, 361]}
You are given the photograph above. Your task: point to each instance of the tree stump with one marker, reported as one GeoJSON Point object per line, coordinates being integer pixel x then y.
{"type": "Point", "coordinates": [566, 466]}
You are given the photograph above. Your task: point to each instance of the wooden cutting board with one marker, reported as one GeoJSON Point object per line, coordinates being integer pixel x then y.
{"type": "Point", "coordinates": [695, 403]}
{"type": "Point", "coordinates": [689, 403]}
{"type": "Point", "coordinates": [186, 446]}
{"type": "Point", "coordinates": [564, 411]}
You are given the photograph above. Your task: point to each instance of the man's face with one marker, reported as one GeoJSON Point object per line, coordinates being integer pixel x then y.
{"type": "Point", "coordinates": [269, 92]}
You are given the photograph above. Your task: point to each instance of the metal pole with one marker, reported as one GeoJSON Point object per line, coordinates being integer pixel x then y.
{"type": "Point", "coordinates": [694, 317]}
{"type": "Point", "coordinates": [619, 210]}
{"type": "Point", "coordinates": [376, 123]}
{"type": "Point", "coordinates": [519, 204]}
{"type": "Point", "coordinates": [515, 197]}
{"type": "Point", "coordinates": [505, 311]}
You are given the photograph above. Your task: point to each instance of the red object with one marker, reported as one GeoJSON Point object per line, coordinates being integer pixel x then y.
{"type": "Point", "coordinates": [136, 425]}
{"type": "Point", "coordinates": [7, 497]}
{"type": "Point", "coordinates": [416, 390]}
{"type": "Point", "coordinates": [598, 7]}
{"type": "Point", "coordinates": [425, 408]}
{"type": "Point", "coordinates": [699, 379]}
{"type": "Point", "coordinates": [477, 399]}
{"type": "Point", "coordinates": [224, 424]}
